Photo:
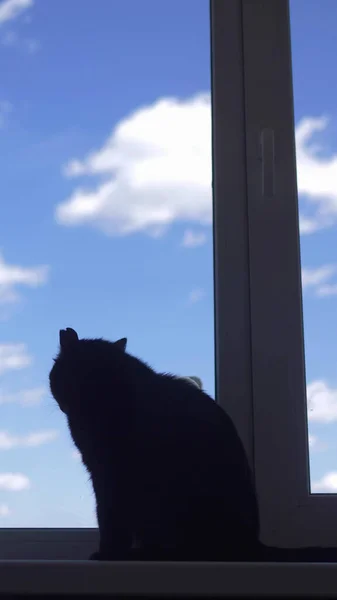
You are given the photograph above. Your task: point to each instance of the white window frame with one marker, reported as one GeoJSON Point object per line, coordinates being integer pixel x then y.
{"type": "Point", "coordinates": [258, 311]}
{"type": "Point", "coordinates": [265, 328]}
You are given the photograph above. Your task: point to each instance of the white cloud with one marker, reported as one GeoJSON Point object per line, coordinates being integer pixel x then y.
{"type": "Point", "coordinates": [328, 483]}
{"type": "Point", "coordinates": [5, 109]}
{"type": "Point", "coordinates": [312, 440]}
{"type": "Point", "coordinates": [39, 438]}
{"type": "Point", "coordinates": [310, 225]}
{"type": "Point", "coordinates": [196, 295]}
{"type": "Point", "coordinates": [313, 277]}
{"type": "Point", "coordinates": [8, 441]}
{"type": "Point", "coordinates": [316, 176]}
{"type": "Point", "coordinates": [14, 482]}
{"type": "Point", "coordinates": [4, 510]}
{"type": "Point", "coordinates": [318, 279]}
{"type": "Point", "coordinates": [10, 9]}
{"type": "Point", "coordinates": [322, 402]}
{"type": "Point", "coordinates": [13, 357]}
{"type": "Point", "coordinates": [29, 397]}
{"type": "Point", "coordinates": [192, 239]}
{"type": "Point", "coordinates": [154, 168]}
{"type": "Point", "coordinates": [12, 276]}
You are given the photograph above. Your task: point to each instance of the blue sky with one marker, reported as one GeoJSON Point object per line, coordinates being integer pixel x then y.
{"type": "Point", "coordinates": [105, 219]}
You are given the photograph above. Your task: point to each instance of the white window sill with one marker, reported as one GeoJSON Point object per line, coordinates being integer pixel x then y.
{"type": "Point", "coordinates": [173, 579]}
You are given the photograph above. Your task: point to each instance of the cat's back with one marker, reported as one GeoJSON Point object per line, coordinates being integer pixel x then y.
{"type": "Point", "coordinates": [176, 416]}
{"type": "Point", "coordinates": [188, 448]}
{"type": "Point", "coordinates": [177, 401]}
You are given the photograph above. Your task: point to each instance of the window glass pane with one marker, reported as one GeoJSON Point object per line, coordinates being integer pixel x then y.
{"type": "Point", "coordinates": [314, 46]}
{"type": "Point", "coordinates": [105, 217]}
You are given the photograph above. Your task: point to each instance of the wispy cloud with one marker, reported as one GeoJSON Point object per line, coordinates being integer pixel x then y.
{"type": "Point", "coordinates": [314, 277]}
{"type": "Point", "coordinates": [14, 482]}
{"type": "Point", "coordinates": [329, 289]}
{"type": "Point", "coordinates": [192, 239]}
{"type": "Point", "coordinates": [12, 276]}
{"type": "Point", "coordinates": [196, 295]}
{"type": "Point", "coordinates": [312, 440]}
{"type": "Point", "coordinates": [4, 510]}
{"type": "Point", "coordinates": [311, 225]}
{"type": "Point", "coordinates": [29, 397]}
{"type": "Point", "coordinates": [11, 9]}
{"type": "Point", "coordinates": [9, 39]}
{"type": "Point", "coordinates": [318, 280]}
{"type": "Point", "coordinates": [322, 402]}
{"type": "Point", "coordinates": [316, 445]}
{"type": "Point", "coordinates": [32, 440]}
{"type": "Point", "coordinates": [328, 483]}
{"type": "Point", "coordinates": [13, 357]}
{"type": "Point", "coordinates": [32, 46]}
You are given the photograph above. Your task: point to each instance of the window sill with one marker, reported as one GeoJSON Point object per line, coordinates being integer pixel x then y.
{"type": "Point", "coordinates": [171, 579]}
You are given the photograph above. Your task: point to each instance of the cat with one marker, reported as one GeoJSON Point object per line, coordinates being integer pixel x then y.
{"type": "Point", "coordinates": [167, 466]}
{"type": "Point", "coordinates": [169, 471]}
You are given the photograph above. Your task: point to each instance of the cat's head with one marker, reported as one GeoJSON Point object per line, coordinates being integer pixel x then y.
{"type": "Point", "coordinates": [82, 368]}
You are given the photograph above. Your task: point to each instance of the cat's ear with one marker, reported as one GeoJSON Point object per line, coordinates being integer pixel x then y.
{"type": "Point", "coordinates": [68, 337]}
{"type": "Point", "coordinates": [121, 344]}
